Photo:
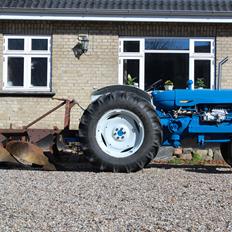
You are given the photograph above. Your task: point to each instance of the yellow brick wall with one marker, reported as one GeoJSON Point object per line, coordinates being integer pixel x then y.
{"type": "Point", "coordinates": [75, 78]}
{"type": "Point", "coordinates": [71, 78]}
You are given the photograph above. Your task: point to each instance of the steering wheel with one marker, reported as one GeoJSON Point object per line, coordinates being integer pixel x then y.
{"type": "Point", "coordinates": [155, 85]}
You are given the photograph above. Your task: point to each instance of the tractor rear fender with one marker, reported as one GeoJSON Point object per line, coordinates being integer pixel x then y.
{"type": "Point", "coordinates": [126, 88]}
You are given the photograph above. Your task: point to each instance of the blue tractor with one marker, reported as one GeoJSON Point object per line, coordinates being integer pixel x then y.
{"type": "Point", "coordinates": [123, 128]}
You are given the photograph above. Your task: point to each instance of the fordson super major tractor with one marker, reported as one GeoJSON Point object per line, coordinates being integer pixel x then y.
{"type": "Point", "coordinates": [123, 127]}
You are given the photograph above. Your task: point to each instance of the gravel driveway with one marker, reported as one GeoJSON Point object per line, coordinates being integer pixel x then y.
{"type": "Point", "coordinates": [159, 198]}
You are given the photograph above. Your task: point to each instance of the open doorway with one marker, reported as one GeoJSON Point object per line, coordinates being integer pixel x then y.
{"type": "Point", "coordinates": [167, 66]}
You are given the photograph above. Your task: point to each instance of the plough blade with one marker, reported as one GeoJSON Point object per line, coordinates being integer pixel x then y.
{"type": "Point", "coordinates": [28, 154]}
{"type": "Point", "coordinates": [6, 157]}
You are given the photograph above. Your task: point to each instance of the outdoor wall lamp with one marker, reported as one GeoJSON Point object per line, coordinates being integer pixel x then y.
{"type": "Point", "coordinates": [82, 46]}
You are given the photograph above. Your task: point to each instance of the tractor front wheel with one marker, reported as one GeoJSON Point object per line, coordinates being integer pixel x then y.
{"type": "Point", "coordinates": [120, 132]}
{"type": "Point", "coordinates": [226, 150]}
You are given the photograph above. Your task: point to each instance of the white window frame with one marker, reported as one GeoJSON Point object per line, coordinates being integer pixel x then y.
{"type": "Point", "coordinates": [131, 56]}
{"type": "Point", "coordinates": [141, 55]}
{"type": "Point", "coordinates": [202, 56]}
{"type": "Point", "coordinates": [27, 54]}
{"type": "Point", "coordinates": [198, 54]}
{"type": "Point", "coordinates": [141, 69]}
{"type": "Point", "coordinates": [192, 70]}
{"type": "Point", "coordinates": [141, 47]}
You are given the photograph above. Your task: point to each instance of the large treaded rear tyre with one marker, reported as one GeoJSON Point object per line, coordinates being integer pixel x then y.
{"type": "Point", "coordinates": [226, 150]}
{"type": "Point", "coordinates": [120, 132]}
{"type": "Point", "coordinates": [127, 88]}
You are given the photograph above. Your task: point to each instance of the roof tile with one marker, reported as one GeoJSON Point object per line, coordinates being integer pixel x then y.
{"type": "Point", "coordinates": [150, 5]}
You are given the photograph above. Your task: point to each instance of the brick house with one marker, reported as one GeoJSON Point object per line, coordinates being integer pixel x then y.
{"type": "Point", "coordinates": [146, 39]}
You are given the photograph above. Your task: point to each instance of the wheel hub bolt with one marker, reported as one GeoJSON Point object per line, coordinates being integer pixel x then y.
{"type": "Point", "coordinates": [119, 134]}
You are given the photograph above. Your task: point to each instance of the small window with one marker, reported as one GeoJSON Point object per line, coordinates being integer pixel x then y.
{"type": "Point", "coordinates": [15, 71]}
{"type": "Point", "coordinates": [39, 44]}
{"type": "Point", "coordinates": [27, 63]}
{"type": "Point", "coordinates": [202, 47]}
{"type": "Point", "coordinates": [39, 71]}
{"type": "Point", "coordinates": [131, 72]}
{"type": "Point", "coordinates": [16, 44]}
{"type": "Point", "coordinates": [131, 46]}
{"type": "Point", "coordinates": [202, 74]}
{"type": "Point", "coordinates": [166, 44]}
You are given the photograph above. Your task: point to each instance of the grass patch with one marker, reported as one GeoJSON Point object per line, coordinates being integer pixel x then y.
{"type": "Point", "coordinates": [196, 159]}
{"type": "Point", "coordinates": [176, 161]}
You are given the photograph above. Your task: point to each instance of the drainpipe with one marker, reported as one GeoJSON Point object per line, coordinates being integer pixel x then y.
{"type": "Point", "coordinates": [218, 80]}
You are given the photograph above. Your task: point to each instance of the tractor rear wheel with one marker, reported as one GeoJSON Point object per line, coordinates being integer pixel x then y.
{"type": "Point", "coordinates": [115, 88]}
{"type": "Point", "coordinates": [120, 132]}
{"type": "Point", "coordinates": [226, 150]}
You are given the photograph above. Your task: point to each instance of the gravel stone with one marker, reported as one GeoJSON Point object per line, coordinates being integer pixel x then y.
{"type": "Point", "coordinates": [210, 153]}
{"type": "Point", "coordinates": [158, 198]}
{"type": "Point", "coordinates": [188, 150]}
{"type": "Point", "coordinates": [165, 153]}
{"type": "Point", "coordinates": [202, 153]}
{"type": "Point", "coordinates": [217, 155]}
{"type": "Point", "coordinates": [186, 156]}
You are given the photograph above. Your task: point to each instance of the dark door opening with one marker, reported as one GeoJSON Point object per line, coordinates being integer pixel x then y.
{"type": "Point", "coordinates": [167, 66]}
{"type": "Point", "coordinates": [202, 73]}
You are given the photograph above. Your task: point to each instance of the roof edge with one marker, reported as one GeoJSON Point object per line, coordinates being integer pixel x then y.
{"type": "Point", "coordinates": [112, 12]}
{"type": "Point", "coordinates": [126, 16]}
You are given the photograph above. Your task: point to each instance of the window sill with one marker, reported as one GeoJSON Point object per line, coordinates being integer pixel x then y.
{"type": "Point", "coordinates": [6, 93]}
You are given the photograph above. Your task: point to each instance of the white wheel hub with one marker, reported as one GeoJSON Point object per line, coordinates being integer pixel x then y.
{"type": "Point", "coordinates": [119, 133]}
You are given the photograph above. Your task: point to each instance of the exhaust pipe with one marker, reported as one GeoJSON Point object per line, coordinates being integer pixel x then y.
{"type": "Point", "coordinates": [218, 80]}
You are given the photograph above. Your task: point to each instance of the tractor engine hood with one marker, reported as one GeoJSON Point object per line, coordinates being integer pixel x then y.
{"type": "Point", "coordinates": [169, 100]}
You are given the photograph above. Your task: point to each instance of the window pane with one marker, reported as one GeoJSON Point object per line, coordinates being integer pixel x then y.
{"type": "Point", "coordinates": [131, 72]}
{"type": "Point", "coordinates": [202, 46]}
{"type": "Point", "coordinates": [15, 71]}
{"type": "Point", "coordinates": [167, 44]}
{"type": "Point", "coordinates": [15, 44]}
{"type": "Point", "coordinates": [167, 66]}
{"type": "Point", "coordinates": [39, 44]}
{"type": "Point", "coordinates": [131, 46]}
{"type": "Point", "coordinates": [202, 73]}
{"type": "Point", "coordinates": [39, 71]}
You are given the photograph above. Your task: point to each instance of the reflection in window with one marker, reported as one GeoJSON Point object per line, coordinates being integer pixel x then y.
{"type": "Point", "coordinates": [27, 61]}
{"type": "Point", "coordinates": [15, 71]}
{"type": "Point", "coordinates": [15, 44]}
{"type": "Point", "coordinates": [39, 44]}
{"type": "Point", "coordinates": [131, 46]}
{"type": "Point", "coordinates": [39, 71]}
{"type": "Point", "coordinates": [166, 44]}
{"type": "Point", "coordinates": [131, 72]}
{"type": "Point", "coordinates": [202, 46]}
{"type": "Point", "coordinates": [202, 73]}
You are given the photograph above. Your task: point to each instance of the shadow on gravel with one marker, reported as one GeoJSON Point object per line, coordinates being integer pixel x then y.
{"type": "Point", "coordinates": [214, 169]}
{"type": "Point", "coordinates": [78, 163]}
{"type": "Point", "coordinates": [63, 162]}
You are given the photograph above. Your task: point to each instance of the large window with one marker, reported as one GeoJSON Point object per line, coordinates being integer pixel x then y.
{"type": "Point", "coordinates": [142, 61]}
{"type": "Point", "coordinates": [26, 63]}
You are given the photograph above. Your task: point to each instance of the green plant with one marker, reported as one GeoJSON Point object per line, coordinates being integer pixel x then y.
{"type": "Point", "coordinates": [130, 80]}
{"type": "Point", "coordinates": [200, 83]}
{"type": "Point", "coordinates": [176, 161]}
{"type": "Point", "coordinates": [196, 157]}
{"type": "Point", "coordinates": [168, 82]}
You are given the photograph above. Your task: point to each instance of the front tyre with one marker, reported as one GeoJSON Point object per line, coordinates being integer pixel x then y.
{"type": "Point", "coordinates": [226, 150]}
{"type": "Point", "coordinates": [120, 132]}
